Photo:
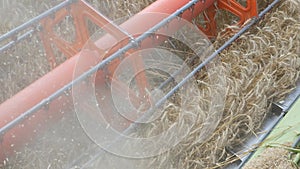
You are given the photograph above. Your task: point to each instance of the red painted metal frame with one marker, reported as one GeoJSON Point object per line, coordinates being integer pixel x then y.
{"type": "Point", "coordinates": [63, 74]}
{"type": "Point", "coordinates": [232, 6]}
{"type": "Point", "coordinates": [80, 12]}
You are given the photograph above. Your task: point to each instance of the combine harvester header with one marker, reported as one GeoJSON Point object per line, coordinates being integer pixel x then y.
{"type": "Point", "coordinates": [45, 100]}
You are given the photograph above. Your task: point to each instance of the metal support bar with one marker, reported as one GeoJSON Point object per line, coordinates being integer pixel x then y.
{"type": "Point", "coordinates": [19, 39]}
{"type": "Point", "coordinates": [35, 20]}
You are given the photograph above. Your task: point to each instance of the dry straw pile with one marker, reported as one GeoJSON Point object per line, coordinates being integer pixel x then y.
{"type": "Point", "coordinates": [273, 158]}
{"type": "Point", "coordinates": [261, 67]}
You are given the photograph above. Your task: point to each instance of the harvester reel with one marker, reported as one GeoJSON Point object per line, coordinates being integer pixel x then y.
{"type": "Point", "coordinates": [134, 95]}
{"type": "Point", "coordinates": [131, 92]}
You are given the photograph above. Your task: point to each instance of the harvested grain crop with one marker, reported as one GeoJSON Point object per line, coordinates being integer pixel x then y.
{"type": "Point", "coordinates": [272, 157]}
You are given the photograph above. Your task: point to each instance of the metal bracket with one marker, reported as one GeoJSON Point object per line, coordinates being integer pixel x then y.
{"type": "Point", "coordinates": [81, 12]}
{"type": "Point", "coordinates": [232, 6]}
